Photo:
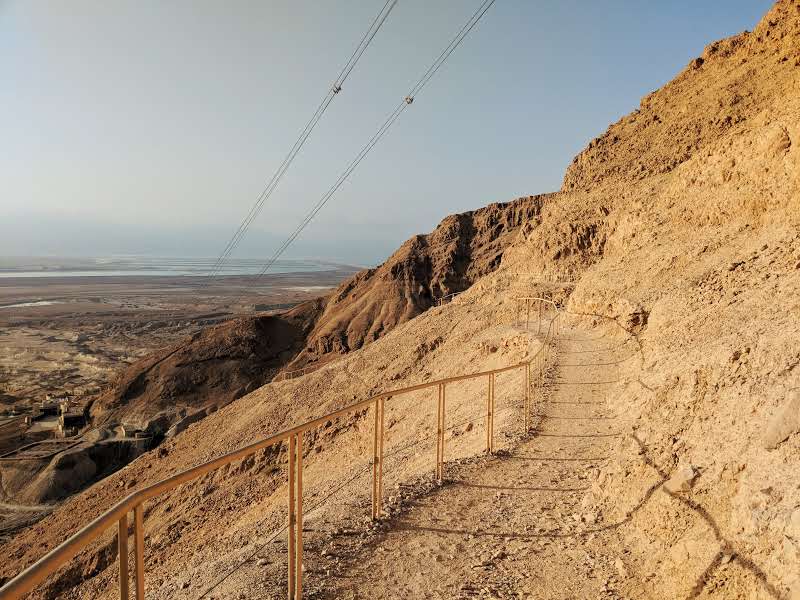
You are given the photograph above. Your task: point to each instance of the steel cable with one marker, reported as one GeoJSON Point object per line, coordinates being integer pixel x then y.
{"type": "Point", "coordinates": [255, 210]}
{"type": "Point", "coordinates": [388, 122]}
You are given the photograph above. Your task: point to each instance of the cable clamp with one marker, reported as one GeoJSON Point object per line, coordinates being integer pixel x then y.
{"type": "Point", "coordinates": [409, 99]}
{"type": "Point", "coordinates": [336, 88]}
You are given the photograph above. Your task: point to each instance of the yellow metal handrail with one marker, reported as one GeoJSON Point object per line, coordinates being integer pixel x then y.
{"type": "Point", "coordinates": [29, 578]}
{"type": "Point", "coordinates": [529, 301]}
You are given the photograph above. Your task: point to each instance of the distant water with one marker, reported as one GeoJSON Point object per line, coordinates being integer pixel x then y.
{"type": "Point", "coordinates": [130, 266]}
{"type": "Point", "coordinates": [35, 303]}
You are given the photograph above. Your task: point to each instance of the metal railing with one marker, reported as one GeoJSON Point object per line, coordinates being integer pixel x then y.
{"type": "Point", "coordinates": [287, 375]}
{"type": "Point", "coordinates": [447, 299]}
{"type": "Point", "coordinates": [531, 302]}
{"type": "Point", "coordinates": [118, 515]}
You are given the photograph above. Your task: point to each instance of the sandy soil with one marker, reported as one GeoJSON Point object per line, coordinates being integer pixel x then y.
{"type": "Point", "coordinates": [512, 525]}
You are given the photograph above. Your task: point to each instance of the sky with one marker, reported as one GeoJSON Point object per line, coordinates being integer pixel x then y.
{"type": "Point", "coordinates": [150, 128]}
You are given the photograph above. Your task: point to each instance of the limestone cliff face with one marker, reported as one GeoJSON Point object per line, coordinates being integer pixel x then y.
{"type": "Point", "coordinates": [681, 228]}
{"type": "Point", "coordinates": [463, 248]}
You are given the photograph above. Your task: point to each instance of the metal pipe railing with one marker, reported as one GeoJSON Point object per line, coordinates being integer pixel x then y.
{"type": "Point", "coordinates": [448, 298]}
{"type": "Point", "coordinates": [529, 301]}
{"type": "Point", "coordinates": [118, 514]}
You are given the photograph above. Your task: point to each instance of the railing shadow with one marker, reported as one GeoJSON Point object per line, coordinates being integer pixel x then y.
{"type": "Point", "coordinates": [514, 488]}
{"type": "Point", "coordinates": [577, 435]}
{"type": "Point", "coordinates": [727, 548]}
{"type": "Point", "coordinates": [557, 459]}
{"type": "Point", "coordinates": [588, 382]}
{"type": "Point", "coordinates": [557, 418]}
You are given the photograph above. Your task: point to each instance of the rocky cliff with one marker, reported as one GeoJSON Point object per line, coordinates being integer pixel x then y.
{"type": "Point", "coordinates": [463, 248]}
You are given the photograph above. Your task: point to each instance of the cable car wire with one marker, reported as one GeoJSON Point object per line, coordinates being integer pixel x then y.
{"type": "Point", "coordinates": [388, 122]}
{"type": "Point", "coordinates": [255, 210]}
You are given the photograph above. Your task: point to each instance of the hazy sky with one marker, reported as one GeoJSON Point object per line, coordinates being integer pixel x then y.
{"type": "Point", "coordinates": [150, 127]}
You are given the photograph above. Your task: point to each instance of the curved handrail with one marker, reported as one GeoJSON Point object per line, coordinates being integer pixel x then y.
{"type": "Point", "coordinates": [529, 300]}
{"type": "Point", "coordinates": [546, 300]}
{"type": "Point", "coordinates": [448, 298]}
{"type": "Point", "coordinates": [33, 575]}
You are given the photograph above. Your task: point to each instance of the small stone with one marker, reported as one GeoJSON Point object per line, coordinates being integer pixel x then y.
{"type": "Point", "coordinates": [682, 480]}
{"type": "Point", "coordinates": [792, 529]}
{"type": "Point", "coordinates": [620, 567]}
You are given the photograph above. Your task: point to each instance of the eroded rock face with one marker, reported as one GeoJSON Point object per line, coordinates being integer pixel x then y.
{"type": "Point", "coordinates": [227, 361]}
{"type": "Point", "coordinates": [460, 250]}
{"type": "Point", "coordinates": [683, 234]}
{"type": "Point", "coordinates": [212, 368]}
{"type": "Point", "coordinates": [714, 94]}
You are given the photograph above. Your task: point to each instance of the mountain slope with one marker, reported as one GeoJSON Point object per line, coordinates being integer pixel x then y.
{"type": "Point", "coordinates": [682, 236]}
{"type": "Point", "coordinates": [463, 248]}
{"type": "Point", "coordinates": [212, 368]}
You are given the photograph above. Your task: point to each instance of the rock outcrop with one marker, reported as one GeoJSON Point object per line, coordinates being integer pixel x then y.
{"type": "Point", "coordinates": [457, 253]}
{"type": "Point", "coordinates": [227, 361]}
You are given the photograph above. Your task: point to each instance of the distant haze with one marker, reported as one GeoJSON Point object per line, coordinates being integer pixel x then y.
{"type": "Point", "coordinates": [147, 127]}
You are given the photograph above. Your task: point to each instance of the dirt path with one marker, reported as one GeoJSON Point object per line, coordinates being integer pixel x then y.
{"type": "Point", "coordinates": [512, 525]}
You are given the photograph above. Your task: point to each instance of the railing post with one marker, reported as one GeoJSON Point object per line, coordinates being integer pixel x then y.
{"type": "Point", "coordinates": [291, 527]}
{"type": "Point", "coordinates": [440, 434]}
{"type": "Point", "coordinates": [122, 548]}
{"type": "Point", "coordinates": [527, 313]}
{"type": "Point", "coordinates": [527, 399]}
{"type": "Point", "coordinates": [298, 569]}
{"type": "Point", "coordinates": [138, 537]}
{"type": "Point", "coordinates": [490, 416]}
{"type": "Point", "coordinates": [491, 436]}
{"type": "Point", "coordinates": [540, 375]}
{"type": "Point", "coordinates": [377, 460]}
{"type": "Point", "coordinates": [380, 458]}
{"type": "Point", "coordinates": [539, 325]}
{"type": "Point", "coordinates": [375, 436]}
